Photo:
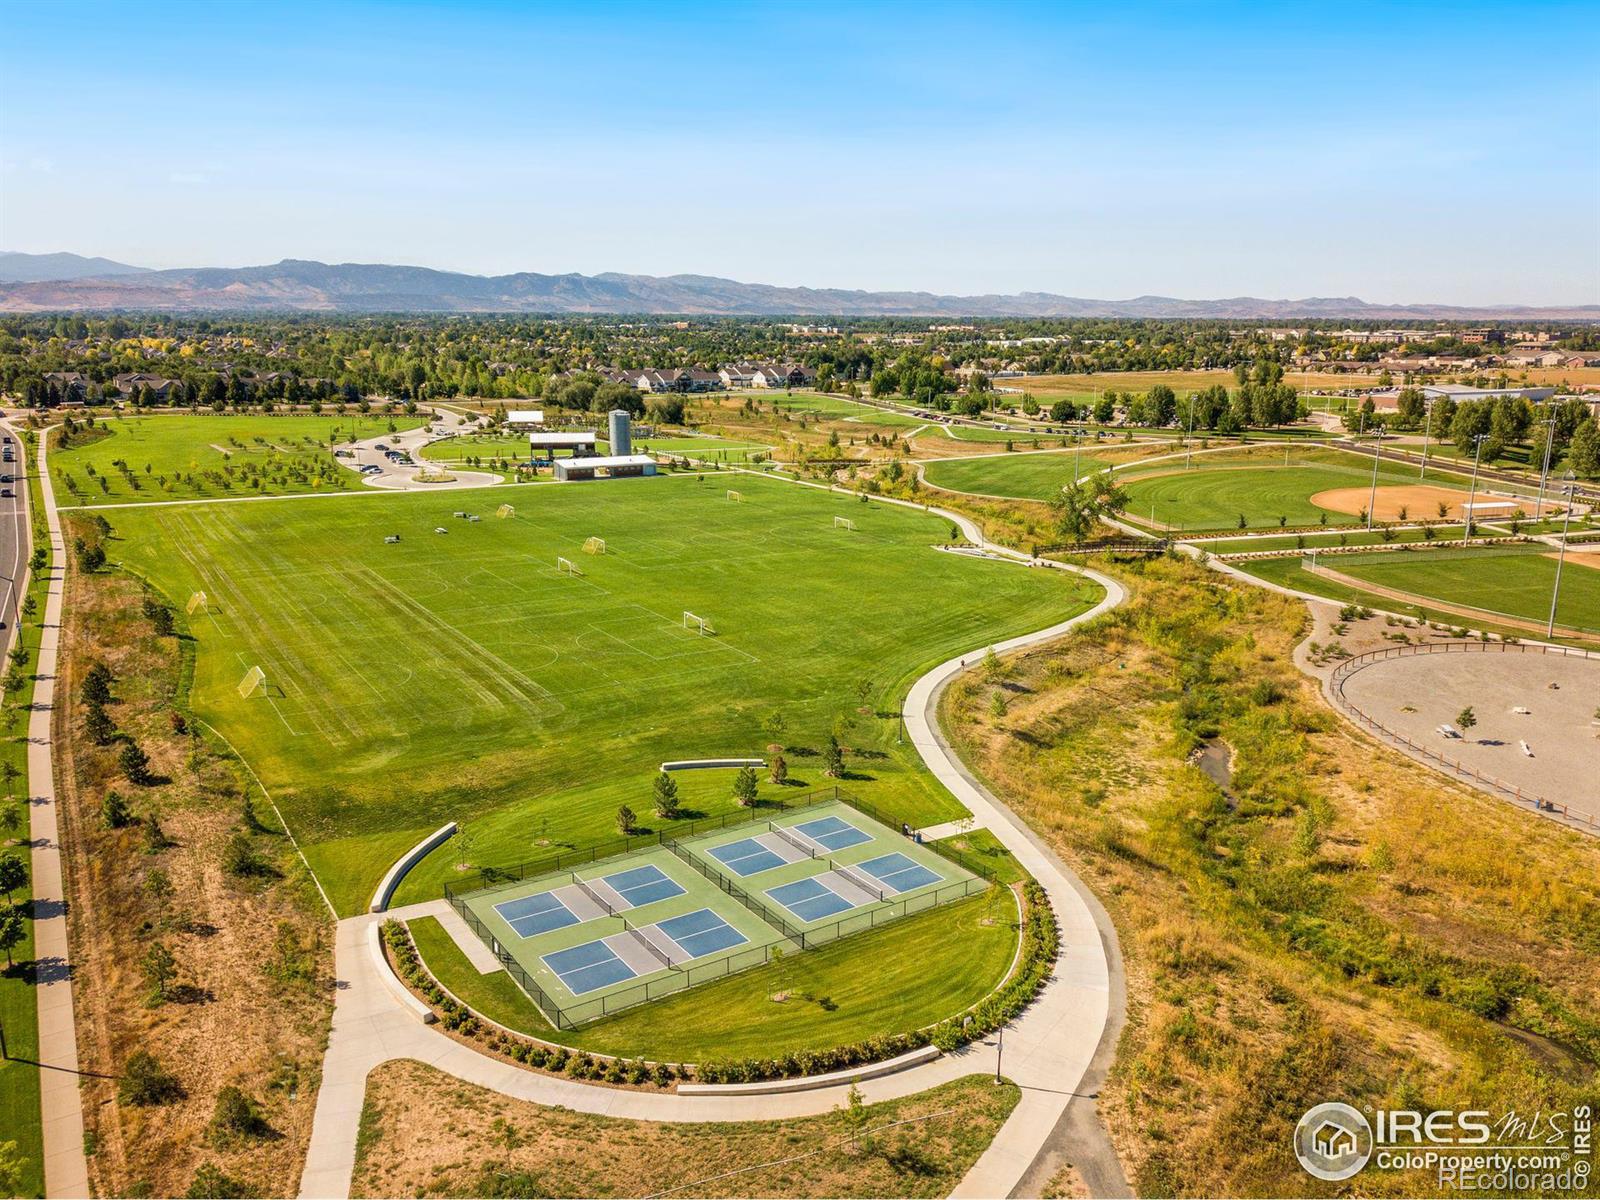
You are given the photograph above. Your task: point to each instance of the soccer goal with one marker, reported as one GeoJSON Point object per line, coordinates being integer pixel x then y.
{"type": "Point", "coordinates": [699, 624]}
{"type": "Point", "coordinates": [594, 545]}
{"type": "Point", "coordinates": [255, 679]}
{"type": "Point", "coordinates": [197, 603]}
{"type": "Point", "coordinates": [843, 523]}
{"type": "Point", "coordinates": [733, 495]}
{"type": "Point", "coordinates": [505, 510]}
{"type": "Point", "coordinates": [565, 566]}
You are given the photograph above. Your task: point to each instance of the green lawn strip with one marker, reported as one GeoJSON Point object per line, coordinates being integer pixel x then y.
{"type": "Point", "coordinates": [19, 1078]}
{"type": "Point", "coordinates": [981, 851]}
{"type": "Point", "coordinates": [1287, 572]}
{"type": "Point", "coordinates": [971, 433]}
{"type": "Point", "coordinates": [1357, 537]}
{"type": "Point", "coordinates": [1516, 584]}
{"type": "Point", "coordinates": [461, 677]}
{"type": "Point", "coordinates": [177, 457]}
{"type": "Point", "coordinates": [1022, 476]}
{"type": "Point", "coordinates": [904, 975]}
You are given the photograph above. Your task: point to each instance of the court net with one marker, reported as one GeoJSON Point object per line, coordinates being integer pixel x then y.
{"type": "Point", "coordinates": [654, 950]}
{"type": "Point", "coordinates": [594, 895]}
{"type": "Point", "coordinates": [860, 880]}
{"type": "Point", "coordinates": [792, 840]}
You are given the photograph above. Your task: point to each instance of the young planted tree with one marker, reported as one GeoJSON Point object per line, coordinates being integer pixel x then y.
{"type": "Point", "coordinates": [114, 811]}
{"type": "Point", "coordinates": [135, 764]}
{"type": "Point", "coordinates": [775, 726]}
{"type": "Point", "coordinates": [627, 821]}
{"type": "Point", "coordinates": [13, 875]}
{"type": "Point", "coordinates": [1466, 718]}
{"type": "Point", "coordinates": [97, 723]}
{"type": "Point", "coordinates": [96, 685]}
{"type": "Point", "coordinates": [779, 772]}
{"type": "Point", "coordinates": [832, 758]}
{"type": "Point", "coordinates": [11, 931]}
{"type": "Point", "coordinates": [744, 787]}
{"type": "Point", "coordinates": [664, 795]}
{"type": "Point", "coordinates": [160, 968]}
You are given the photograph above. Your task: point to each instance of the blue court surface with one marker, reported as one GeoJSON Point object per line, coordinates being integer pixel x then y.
{"type": "Point", "coordinates": [532, 915]}
{"type": "Point", "coordinates": [899, 873]}
{"type": "Point", "coordinates": [833, 833]}
{"type": "Point", "coordinates": [701, 933]}
{"type": "Point", "coordinates": [588, 967]}
{"type": "Point", "coordinates": [642, 885]}
{"type": "Point", "coordinates": [809, 900]}
{"type": "Point", "coordinates": [748, 857]}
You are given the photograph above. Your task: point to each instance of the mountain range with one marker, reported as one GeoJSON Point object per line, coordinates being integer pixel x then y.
{"type": "Point", "coordinates": [52, 282]}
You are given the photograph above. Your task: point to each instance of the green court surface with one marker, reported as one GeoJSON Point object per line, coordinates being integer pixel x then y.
{"type": "Point", "coordinates": [605, 935]}
{"type": "Point", "coordinates": [1515, 580]}
{"type": "Point", "coordinates": [1216, 489]}
{"type": "Point", "coordinates": [1018, 476]}
{"type": "Point", "coordinates": [462, 676]}
{"type": "Point", "coordinates": [179, 457]}
{"type": "Point", "coordinates": [682, 930]}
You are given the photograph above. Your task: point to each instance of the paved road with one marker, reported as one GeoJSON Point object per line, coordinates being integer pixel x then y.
{"type": "Point", "coordinates": [402, 476]}
{"type": "Point", "coordinates": [13, 530]}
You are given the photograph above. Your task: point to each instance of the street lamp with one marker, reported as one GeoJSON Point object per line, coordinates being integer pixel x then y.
{"type": "Point", "coordinates": [1478, 440]}
{"type": "Point", "coordinates": [1561, 558]}
{"type": "Point", "coordinates": [1372, 500]}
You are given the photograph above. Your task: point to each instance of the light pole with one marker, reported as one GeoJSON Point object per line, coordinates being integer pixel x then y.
{"type": "Point", "coordinates": [999, 1050]}
{"type": "Point", "coordinates": [1472, 497]}
{"type": "Point", "coordinates": [1427, 428]}
{"type": "Point", "coordinates": [1188, 433]}
{"type": "Point", "coordinates": [1544, 469]}
{"type": "Point", "coordinates": [1372, 500]}
{"type": "Point", "coordinates": [1561, 558]}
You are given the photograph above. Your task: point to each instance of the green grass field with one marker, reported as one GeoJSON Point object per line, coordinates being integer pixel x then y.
{"type": "Point", "coordinates": [970, 433]}
{"type": "Point", "coordinates": [460, 676]}
{"type": "Point", "coordinates": [924, 968]}
{"type": "Point", "coordinates": [1019, 476]}
{"type": "Point", "coordinates": [1218, 488]}
{"type": "Point", "coordinates": [514, 447]}
{"type": "Point", "coordinates": [173, 457]}
{"type": "Point", "coordinates": [1517, 581]}
{"type": "Point", "coordinates": [715, 448]}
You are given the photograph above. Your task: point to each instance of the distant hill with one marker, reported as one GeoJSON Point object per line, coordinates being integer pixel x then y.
{"type": "Point", "coordinates": [294, 285]}
{"type": "Point", "coordinates": [16, 267]}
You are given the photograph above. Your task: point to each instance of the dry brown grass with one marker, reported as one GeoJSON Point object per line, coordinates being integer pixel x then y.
{"type": "Point", "coordinates": [424, 1133]}
{"type": "Point", "coordinates": [1347, 925]}
{"type": "Point", "coordinates": [252, 1002]}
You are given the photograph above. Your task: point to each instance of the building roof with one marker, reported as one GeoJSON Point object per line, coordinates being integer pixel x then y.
{"type": "Point", "coordinates": [585, 437]}
{"type": "Point", "coordinates": [526, 416]}
{"type": "Point", "coordinates": [607, 461]}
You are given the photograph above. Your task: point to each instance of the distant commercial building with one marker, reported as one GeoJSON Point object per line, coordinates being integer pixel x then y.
{"type": "Point", "coordinates": [522, 419]}
{"type": "Point", "coordinates": [610, 466]}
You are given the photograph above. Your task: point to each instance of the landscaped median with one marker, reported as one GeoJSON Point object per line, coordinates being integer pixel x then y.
{"type": "Point", "coordinates": [1030, 966]}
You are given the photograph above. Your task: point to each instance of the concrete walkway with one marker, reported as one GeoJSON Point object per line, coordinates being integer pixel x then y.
{"type": "Point", "coordinates": [1048, 1050]}
{"type": "Point", "coordinates": [66, 1172]}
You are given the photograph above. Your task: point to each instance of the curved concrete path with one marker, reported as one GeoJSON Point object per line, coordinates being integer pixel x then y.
{"type": "Point", "coordinates": [402, 477]}
{"type": "Point", "coordinates": [1064, 1036]}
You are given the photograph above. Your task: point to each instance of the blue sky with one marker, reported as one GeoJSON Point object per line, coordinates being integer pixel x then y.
{"type": "Point", "coordinates": [1423, 152]}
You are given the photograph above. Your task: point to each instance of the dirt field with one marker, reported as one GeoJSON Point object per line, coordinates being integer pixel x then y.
{"type": "Point", "coordinates": [1415, 694]}
{"type": "Point", "coordinates": [1581, 558]}
{"type": "Point", "coordinates": [1421, 502]}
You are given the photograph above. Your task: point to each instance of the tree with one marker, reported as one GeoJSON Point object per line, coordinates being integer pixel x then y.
{"type": "Point", "coordinates": [744, 787]}
{"type": "Point", "coordinates": [776, 726]}
{"type": "Point", "coordinates": [855, 1117]}
{"type": "Point", "coordinates": [97, 723]}
{"type": "Point", "coordinates": [11, 931]}
{"type": "Point", "coordinates": [664, 793]}
{"type": "Point", "coordinates": [627, 821]}
{"type": "Point", "coordinates": [96, 685]}
{"type": "Point", "coordinates": [160, 968]}
{"type": "Point", "coordinates": [235, 1116]}
{"type": "Point", "coordinates": [780, 770]}
{"type": "Point", "coordinates": [833, 758]}
{"type": "Point", "coordinates": [1585, 449]}
{"type": "Point", "coordinates": [145, 1082]}
{"type": "Point", "coordinates": [1082, 504]}
{"type": "Point", "coordinates": [1466, 718]}
{"type": "Point", "coordinates": [135, 764]}
{"type": "Point", "coordinates": [10, 1169]}
{"type": "Point", "coordinates": [13, 875]}
{"type": "Point", "coordinates": [11, 817]}
{"type": "Point", "coordinates": [114, 811]}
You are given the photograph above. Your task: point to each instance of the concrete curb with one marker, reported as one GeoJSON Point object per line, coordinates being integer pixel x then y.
{"type": "Point", "coordinates": [391, 880]}
{"type": "Point", "coordinates": [806, 1083]}
{"type": "Point", "coordinates": [380, 961]}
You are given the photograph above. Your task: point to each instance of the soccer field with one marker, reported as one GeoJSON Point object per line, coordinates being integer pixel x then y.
{"type": "Point", "coordinates": [460, 675]}
{"type": "Point", "coordinates": [1020, 476]}
{"type": "Point", "coordinates": [1217, 489]}
{"type": "Point", "coordinates": [172, 457]}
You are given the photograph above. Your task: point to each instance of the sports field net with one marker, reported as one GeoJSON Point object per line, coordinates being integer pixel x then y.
{"type": "Point", "coordinates": [196, 603]}
{"type": "Point", "coordinates": [255, 679]}
{"type": "Point", "coordinates": [505, 510]}
{"type": "Point", "coordinates": [594, 545]}
{"type": "Point", "coordinates": [594, 895]}
{"type": "Point", "coordinates": [861, 881]}
{"type": "Point", "coordinates": [566, 566]}
{"type": "Point", "coordinates": [792, 840]}
{"type": "Point", "coordinates": [690, 621]}
{"type": "Point", "coordinates": [843, 523]}
{"type": "Point", "coordinates": [733, 495]}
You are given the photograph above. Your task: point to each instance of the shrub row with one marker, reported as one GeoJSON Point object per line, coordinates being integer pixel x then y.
{"type": "Point", "coordinates": [1040, 943]}
{"type": "Point", "coordinates": [558, 1060]}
